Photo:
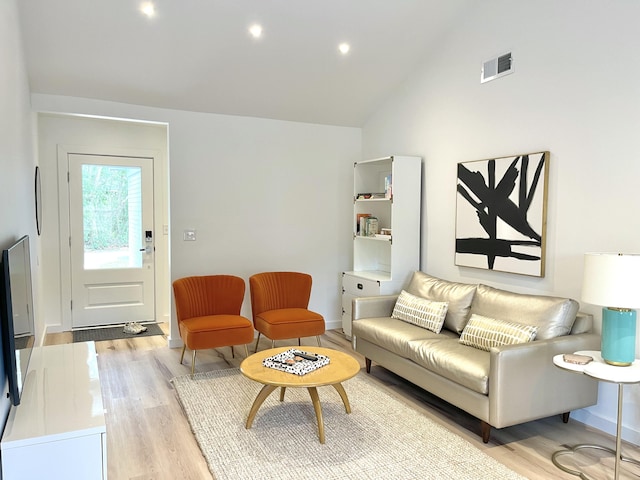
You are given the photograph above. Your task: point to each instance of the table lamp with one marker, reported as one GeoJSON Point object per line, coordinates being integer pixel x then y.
{"type": "Point", "coordinates": [612, 280]}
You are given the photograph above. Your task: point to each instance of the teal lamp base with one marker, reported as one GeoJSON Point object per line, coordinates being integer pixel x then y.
{"type": "Point", "coordinates": [618, 336]}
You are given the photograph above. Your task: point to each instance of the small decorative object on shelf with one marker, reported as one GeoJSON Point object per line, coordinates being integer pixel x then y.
{"type": "Point", "coordinates": [387, 187]}
{"type": "Point", "coordinates": [371, 226]}
{"type": "Point", "coordinates": [296, 361]}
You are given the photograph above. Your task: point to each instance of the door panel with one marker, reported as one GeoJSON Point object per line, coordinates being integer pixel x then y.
{"type": "Point", "coordinates": [112, 253]}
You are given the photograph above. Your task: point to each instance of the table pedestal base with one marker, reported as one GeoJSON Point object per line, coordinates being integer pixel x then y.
{"type": "Point", "coordinates": [315, 399]}
{"type": "Point", "coordinates": [577, 473]}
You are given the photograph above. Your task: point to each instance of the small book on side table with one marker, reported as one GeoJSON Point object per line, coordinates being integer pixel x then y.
{"type": "Point", "coordinates": [576, 359]}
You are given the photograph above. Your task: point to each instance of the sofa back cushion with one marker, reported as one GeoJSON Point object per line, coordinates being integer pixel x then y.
{"type": "Point", "coordinates": [458, 295]}
{"type": "Point", "coordinates": [554, 316]}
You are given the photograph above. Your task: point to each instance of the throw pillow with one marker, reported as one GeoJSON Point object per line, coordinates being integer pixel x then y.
{"type": "Point", "coordinates": [458, 295]}
{"type": "Point", "coordinates": [420, 311]}
{"type": "Point", "coordinates": [484, 332]}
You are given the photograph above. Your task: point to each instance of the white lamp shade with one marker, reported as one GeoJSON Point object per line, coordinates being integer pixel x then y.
{"type": "Point", "coordinates": [612, 280]}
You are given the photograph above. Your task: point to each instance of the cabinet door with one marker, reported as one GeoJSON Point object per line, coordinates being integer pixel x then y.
{"type": "Point", "coordinates": [78, 458]}
{"type": "Point", "coordinates": [347, 308]}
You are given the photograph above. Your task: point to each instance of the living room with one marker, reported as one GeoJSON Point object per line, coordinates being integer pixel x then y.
{"type": "Point", "coordinates": [263, 193]}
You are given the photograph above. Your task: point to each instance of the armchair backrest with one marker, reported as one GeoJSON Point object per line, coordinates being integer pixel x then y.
{"type": "Point", "coordinates": [277, 290]}
{"type": "Point", "coordinates": [200, 296]}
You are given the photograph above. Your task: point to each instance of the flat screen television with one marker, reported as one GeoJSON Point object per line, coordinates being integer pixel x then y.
{"type": "Point", "coordinates": [17, 323]}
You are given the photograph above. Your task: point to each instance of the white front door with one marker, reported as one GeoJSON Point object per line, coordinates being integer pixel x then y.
{"type": "Point", "coordinates": [112, 244]}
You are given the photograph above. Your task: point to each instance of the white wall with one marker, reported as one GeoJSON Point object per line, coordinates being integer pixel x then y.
{"type": "Point", "coordinates": [100, 136]}
{"type": "Point", "coordinates": [574, 92]}
{"type": "Point", "coordinates": [17, 162]}
{"type": "Point", "coordinates": [261, 194]}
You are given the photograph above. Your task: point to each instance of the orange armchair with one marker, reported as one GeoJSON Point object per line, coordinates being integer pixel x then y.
{"type": "Point", "coordinates": [208, 312]}
{"type": "Point", "coordinates": [279, 302]}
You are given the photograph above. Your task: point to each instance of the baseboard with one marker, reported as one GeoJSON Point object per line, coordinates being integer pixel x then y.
{"type": "Point", "coordinates": [606, 425]}
{"type": "Point", "coordinates": [334, 325]}
{"type": "Point", "coordinates": [174, 342]}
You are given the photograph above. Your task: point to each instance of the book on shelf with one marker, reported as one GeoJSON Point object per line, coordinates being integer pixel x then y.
{"type": "Point", "coordinates": [290, 361]}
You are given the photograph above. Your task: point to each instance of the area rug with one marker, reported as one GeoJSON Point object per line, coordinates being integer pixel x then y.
{"type": "Point", "coordinates": [382, 438]}
{"type": "Point", "coordinates": [113, 333]}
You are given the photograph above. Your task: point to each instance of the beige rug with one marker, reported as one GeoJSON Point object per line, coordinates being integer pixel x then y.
{"type": "Point", "coordinates": [382, 438]}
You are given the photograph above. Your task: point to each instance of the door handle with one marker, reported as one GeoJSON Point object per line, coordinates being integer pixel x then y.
{"type": "Point", "coordinates": [147, 249]}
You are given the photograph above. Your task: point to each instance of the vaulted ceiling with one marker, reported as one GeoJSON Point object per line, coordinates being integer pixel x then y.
{"type": "Point", "coordinates": [198, 55]}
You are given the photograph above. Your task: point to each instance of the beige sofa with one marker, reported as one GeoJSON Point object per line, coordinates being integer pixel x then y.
{"type": "Point", "coordinates": [504, 386]}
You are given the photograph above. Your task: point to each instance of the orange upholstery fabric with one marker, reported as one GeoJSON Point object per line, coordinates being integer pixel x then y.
{"type": "Point", "coordinates": [279, 303]}
{"type": "Point", "coordinates": [208, 311]}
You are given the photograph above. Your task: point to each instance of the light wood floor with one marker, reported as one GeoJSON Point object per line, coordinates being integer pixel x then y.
{"type": "Point", "coordinates": [149, 437]}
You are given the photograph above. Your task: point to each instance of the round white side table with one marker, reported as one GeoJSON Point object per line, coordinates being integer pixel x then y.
{"type": "Point", "coordinates": [604, 372]}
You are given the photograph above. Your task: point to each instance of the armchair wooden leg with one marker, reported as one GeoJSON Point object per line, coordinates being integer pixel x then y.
{"type": "Point", "coordinates": [246, 351]}
{"type": "Point", "coordinates": [565, 417]}
{"type": "Point", "coordinates": [273, 344]}
{"type": "Point", "coordinates": [232, 354]}
{"type": "Point", "coordinates": [318, 339]}
{"type": "Point", "coordinates": [299, 344]}
{"type": "Point", "coordinates": [257, 340]}
{"type": "Point", "coordinates": [184, 347]}
{"type": "Point", "coordinates": [193, 363]}
{"type": "Point", "coordinates": [367, 364]}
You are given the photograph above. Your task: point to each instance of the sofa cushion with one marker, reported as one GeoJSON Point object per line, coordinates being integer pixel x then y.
{"type": "Point", "coordinates": [420, 311]}
{"type": "Point", "coordinates": [458, 295]}
{"type": "Point", "coordinates": [554, 316]}
{"type": "Point", "coordinates": [484, 333]}
{"type": "Point", "coordinates": [393, 334]}
{"type": "Point", "coordinates": [464, 365]}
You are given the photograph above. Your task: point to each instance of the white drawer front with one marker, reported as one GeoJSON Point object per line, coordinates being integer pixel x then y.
{"type": "Point", "coordinates": [360, 287]}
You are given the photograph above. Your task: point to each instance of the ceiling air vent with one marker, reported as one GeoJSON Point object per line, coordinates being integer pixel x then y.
{"type": "Point", "coordinates": [496, 67]}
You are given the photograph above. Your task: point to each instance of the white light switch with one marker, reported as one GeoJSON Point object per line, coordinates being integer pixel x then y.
{"type": "Point", "coordinates": [189, 236]}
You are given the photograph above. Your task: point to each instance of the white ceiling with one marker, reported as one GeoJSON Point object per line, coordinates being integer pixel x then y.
{"type": "Point", "coordinates": [197, 54]}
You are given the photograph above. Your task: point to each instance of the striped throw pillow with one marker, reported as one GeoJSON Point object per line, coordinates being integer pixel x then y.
{"type": "Point", "coordinates": [484, 333]}
{"type": "Point", "coordinates": [420, 311]}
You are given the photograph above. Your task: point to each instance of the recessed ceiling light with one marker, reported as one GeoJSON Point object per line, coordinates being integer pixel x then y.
{"type": "Point", "coordinates": [148, 9]}
{"type": "Point", "coordinates": [255, 30]}
{"type": "Point", "coordinates": [344, 48]}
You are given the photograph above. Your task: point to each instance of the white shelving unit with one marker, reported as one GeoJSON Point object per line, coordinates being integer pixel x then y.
{"type": "Point", "coordinates": [383, 264]}
{"type": "Point", "coordinates": [58, 431]}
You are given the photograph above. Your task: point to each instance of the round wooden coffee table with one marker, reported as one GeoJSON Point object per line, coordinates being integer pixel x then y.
{"type": "Point", "coordinates": [341, 367]}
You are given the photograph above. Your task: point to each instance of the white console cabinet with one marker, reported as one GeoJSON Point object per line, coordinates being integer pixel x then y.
{"type": "Point", "coordinates": [58, 431]}
{"type": "Point", "coordinates": [388, 189]}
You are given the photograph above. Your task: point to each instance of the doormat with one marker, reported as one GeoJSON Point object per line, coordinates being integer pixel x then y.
{"type": "Point", "coordinates": [113, 333]}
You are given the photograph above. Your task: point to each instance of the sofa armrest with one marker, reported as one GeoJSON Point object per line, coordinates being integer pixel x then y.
{"type": "Point", "coordinates": [524, 384]}
{"type": "Point", "coordinates": [373, 307]}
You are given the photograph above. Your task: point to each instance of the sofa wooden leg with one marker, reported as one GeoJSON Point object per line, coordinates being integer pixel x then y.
{"type": "Point", "coordinates": [565, 417]}
{"type": "Point", "coordinates": [485, 428]}
{"type": "Point", "coordinates": [367, 364]}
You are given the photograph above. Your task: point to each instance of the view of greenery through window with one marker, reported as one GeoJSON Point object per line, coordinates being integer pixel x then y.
{"type": "Point", "coordinates": [105, 207]}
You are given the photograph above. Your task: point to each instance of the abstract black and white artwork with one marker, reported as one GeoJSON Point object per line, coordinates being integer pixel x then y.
{"type": "Point", "coordinates": [501, 207]}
